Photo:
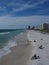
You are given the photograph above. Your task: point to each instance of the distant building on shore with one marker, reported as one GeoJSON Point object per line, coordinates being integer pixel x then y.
{"type": "Point", "coordinates": [44, 26]}
{"type": "Point", "coordinates": [29, 27]}
{"type": "Point", "coordinates": [37, 27]}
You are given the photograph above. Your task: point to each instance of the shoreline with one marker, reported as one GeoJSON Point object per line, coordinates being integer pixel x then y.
{"type": "Point", "coordinates": [20, 53]}
{"type": "Point", "coordinates": [11, 43]}
{"type": "Point", "coordinates": [19, 56]}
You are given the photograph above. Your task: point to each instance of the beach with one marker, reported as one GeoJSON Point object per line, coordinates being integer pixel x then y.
{"type": "Point", "coordinates": [21, 54]}
{"type": "Point", "coordinates": [40, 42]}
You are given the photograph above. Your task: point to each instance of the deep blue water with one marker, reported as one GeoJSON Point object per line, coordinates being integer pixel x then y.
{"type": "Point", "coordinates": [6, 35]}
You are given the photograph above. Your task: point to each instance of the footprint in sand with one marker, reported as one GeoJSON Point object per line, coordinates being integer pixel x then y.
{"type": "Point", "coordinates": [34, 40]}
{"type": "Point", "coordinates": [35, 57]}
{"type": "Point", "coordinates": [41, 38]}
{"type": "Point", "coordinates": [41, 47]}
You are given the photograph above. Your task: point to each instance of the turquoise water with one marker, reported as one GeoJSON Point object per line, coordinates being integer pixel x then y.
{"type": "Point", "coordinates": [5, 36]}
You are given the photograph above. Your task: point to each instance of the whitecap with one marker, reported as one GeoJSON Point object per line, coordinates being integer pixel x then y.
{"type": "Point", "coordinates": [6, 50]}
{"type": "Point", "coordinates": [4, 33]}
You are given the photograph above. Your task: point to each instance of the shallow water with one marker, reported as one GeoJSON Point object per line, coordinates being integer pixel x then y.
{"type": "Point", "coordinates": [8, 40]}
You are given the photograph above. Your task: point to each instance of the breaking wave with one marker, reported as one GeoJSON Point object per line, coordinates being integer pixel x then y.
{"type": "Point", "coordinates": [4, 33]}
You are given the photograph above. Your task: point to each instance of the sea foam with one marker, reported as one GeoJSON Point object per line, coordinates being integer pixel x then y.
{"type": "Point", "coordinates": [6, 50]}
{"type": "Point", "coordinates": [4, 33]}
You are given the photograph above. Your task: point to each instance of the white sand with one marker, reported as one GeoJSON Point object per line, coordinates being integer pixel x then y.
{"type": "Point", "coordinates": [22, 54]}
{"type": "Point", "coordinates": [43, 53]}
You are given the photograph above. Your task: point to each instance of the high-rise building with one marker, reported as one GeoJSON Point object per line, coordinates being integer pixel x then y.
{"type": "Point", "coordinates": [45, 26]}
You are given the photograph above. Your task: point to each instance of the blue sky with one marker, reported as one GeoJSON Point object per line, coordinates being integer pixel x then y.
{"type": "Point", "coordinates": [20, 13]}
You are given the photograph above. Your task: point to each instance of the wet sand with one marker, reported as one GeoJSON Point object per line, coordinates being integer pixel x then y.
{"type": "Point", "coordinates": [19, 54]}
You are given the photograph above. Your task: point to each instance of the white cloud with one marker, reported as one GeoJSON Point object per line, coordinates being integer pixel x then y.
{"type": "Point", "coordinates": [7, 20]}
{"type": "Point", "coordinates": [18, 6]}
{"type": "Point", "coordinates": [26, 6]}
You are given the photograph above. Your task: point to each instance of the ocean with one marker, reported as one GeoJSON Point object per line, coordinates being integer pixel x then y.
{"type": "Point", "coordinates": [7, 40]}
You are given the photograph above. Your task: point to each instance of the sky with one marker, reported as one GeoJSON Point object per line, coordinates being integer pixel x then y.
{"type": "Point", "coordinates": [21, 13]}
